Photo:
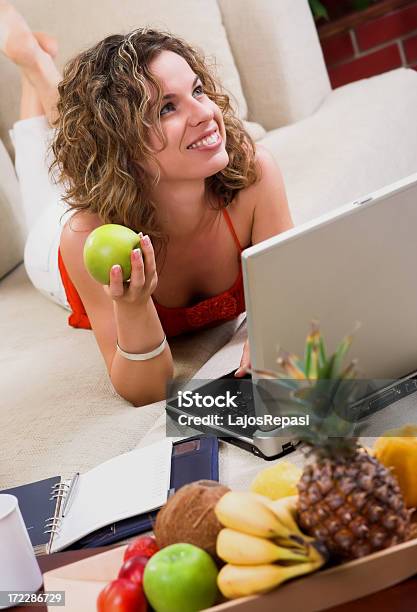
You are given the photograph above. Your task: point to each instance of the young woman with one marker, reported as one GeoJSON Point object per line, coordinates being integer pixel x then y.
{"type": "Point", "coordinates": [143, 137]}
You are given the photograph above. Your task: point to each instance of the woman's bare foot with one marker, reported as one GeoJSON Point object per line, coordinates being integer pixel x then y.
{"type": "Point", "coordinates": [47, 43]}
{"type": "Point", "coordinates": [17, 41]}
{"type": "Point", "coordinates": [33, 54]}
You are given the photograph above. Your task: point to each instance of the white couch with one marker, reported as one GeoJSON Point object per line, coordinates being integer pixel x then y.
{"type": "Point", "coordinates": [58, 410]}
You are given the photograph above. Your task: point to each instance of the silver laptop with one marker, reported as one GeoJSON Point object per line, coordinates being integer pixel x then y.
{"type": "Point", "coordinates": [357, 264]}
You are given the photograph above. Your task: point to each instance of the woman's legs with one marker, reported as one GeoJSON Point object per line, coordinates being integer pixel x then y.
{"type": "Point", "coordinates": [31, 136]}
{"type": "Point", "coordinates": [41, 198]}
{"type": "Point", "coordinates": [30, 102]}
{"type": "Point", "coordinates": [33, 54]}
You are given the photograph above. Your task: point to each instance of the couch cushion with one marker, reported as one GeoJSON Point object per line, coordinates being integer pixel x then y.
{"type": "Point", "coordinates": [12, 226]}
{"type": "Point", "coordinates": [79, 24]}
{"type": "Point", "coordinates": [362, 138]}
{"type": "Point", "coordinates": [279, 58]}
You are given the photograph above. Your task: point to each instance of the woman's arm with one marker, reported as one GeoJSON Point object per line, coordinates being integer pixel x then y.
{"type": "Point", "coordinates": [271, 216]}
{"type": "Point", "coordinates": [127, 318]}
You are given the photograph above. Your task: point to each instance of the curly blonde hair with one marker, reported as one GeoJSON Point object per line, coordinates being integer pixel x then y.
{"type": "Point", "coordinates": [105, 113]}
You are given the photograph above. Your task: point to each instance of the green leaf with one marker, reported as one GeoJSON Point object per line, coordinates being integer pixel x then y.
{"type": "Point", "coordinates": [319, 11]}
{"type": "Point", "coordinates": [314, 368]}
{"type": "Point", "coordinates": [340, 355]}
{"type": "Point", "coordinates": [322, 352]}
{"type": "Point", "coordinates": [311, 342]}
{"type": "Point", "coordinates": [360, 5]}
{"type": "Point", "coordinates": [326, 371]}
{"type": "Point", "coordinates": [307, 355]}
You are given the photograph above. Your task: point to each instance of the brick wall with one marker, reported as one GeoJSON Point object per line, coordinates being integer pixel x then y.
{"type": "Point", "coordinates": [377, 45]}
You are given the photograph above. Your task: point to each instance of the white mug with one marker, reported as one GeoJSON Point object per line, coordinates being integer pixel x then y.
{"type": "Point", "coordinates": [19, 569]}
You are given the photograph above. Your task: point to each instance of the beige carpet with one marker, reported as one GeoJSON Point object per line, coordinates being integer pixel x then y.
{"type": "Point", "coordinates": [58, 410]}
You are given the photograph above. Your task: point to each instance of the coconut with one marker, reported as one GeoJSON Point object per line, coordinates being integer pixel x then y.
{"type": "Point", "coordinates": [188, 516]}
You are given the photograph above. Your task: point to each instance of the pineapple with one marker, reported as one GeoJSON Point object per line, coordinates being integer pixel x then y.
{"type": "Point", "coordinates": [351, 502]}
{"type": "Point", "coordinates": [347, 499]}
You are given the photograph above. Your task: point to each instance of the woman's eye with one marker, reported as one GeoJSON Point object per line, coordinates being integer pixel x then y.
{"type": "Point", "coordinates": [166, 107]}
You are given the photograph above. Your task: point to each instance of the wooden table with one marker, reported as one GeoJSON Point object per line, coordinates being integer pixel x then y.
{"type": "Point", "coordinates": [400, 598]}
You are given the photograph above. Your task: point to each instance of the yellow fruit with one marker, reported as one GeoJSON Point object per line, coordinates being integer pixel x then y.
{"type": "Point", "coordinates": [244, 549]}
{"type": "Point", "coordinates": [246, 512]}
{"type": "Point", "coordinates": [241, 580]}
{"type": "Point", "coordinates": [279, 480]}
{"type": "Point", "coordinates": [286, 511]}
{"type": "Point", "coordinates": [397, 449]}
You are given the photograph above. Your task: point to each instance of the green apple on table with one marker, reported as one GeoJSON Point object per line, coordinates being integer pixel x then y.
{"type": "Point", "coordinates": [180, 578]}
{"type": "Point", "coordinates": [107, 246]}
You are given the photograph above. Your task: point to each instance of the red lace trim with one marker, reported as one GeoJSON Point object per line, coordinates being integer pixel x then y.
{"type": "Point", "coordinates": [209, 312]}
{"type": "Point", "coordinates": [175, 321]}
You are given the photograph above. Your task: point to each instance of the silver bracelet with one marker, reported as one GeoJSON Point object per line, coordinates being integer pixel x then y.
{"type": "Point", "coordinates": [143, 356]}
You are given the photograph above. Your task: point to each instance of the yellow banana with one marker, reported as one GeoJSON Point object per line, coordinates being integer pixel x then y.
{"type": "Point", "coordinates": [285, 509]}
{"type": "Point", "coordinates": [243, 549]}
{"type": "Point", "coordinates": [317, 553]}
{"type": "Point", "coordinates": [241, 580]}
{"type": "Point", "coordinates": [247, 512]}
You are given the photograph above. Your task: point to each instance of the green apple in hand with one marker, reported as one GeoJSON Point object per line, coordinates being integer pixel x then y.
{"type": "Point", "coordinates": [107, 246]}
{"type": "Point", "coordinates": [180, 578]}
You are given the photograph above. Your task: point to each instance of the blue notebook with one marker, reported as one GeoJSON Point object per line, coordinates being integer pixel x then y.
{"type": "Point", "coordinates": [189, 460]}
{"type": "Point", "coordinates": [36, 505]}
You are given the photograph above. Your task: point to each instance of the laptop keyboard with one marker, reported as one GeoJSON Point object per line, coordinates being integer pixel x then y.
{"type": "Point", "coordinates": [241, 389]}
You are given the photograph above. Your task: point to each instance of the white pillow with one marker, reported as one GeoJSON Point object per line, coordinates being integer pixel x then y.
{"type": "Point", "coordinates": [279, 58]}
{"type": "Point", "coordinates": [11, 220]}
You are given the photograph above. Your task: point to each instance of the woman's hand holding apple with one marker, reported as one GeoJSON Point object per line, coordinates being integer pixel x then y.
{"type": "Point", "coordinates": [143, 279]}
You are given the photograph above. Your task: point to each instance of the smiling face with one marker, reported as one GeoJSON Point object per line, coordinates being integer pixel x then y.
{"type": "Point", "coordinates": [188, 116]}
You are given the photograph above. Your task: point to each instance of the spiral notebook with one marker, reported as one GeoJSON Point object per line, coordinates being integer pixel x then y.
{"type": "Point", "coordinates": [115, 500]}
{"type": "Point", "coordinates": [127, 485]}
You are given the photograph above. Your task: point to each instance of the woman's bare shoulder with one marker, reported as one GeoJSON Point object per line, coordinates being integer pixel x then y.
{"type": "Point", "coordinates": [271, 212]}
{"type": "Point", "coordinates": [263, 157]}
{"type": "Point", "coordinates": [74, 234]}
{"type": "Point", "coordinates": [83, 221]}
{"type": "Point", "coordinates": [246, 198]}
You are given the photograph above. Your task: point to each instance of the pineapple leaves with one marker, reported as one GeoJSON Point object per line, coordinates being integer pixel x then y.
{"type": "Point", "coordinates": [316, 366]}
{"type": "Point", "coordinates": [326, 370]}
{"type": "Point", "coordinates": [292, 366]}
{"type": "Point", "coordinates": [280, 399]}
{"type": "Point", "coordinates": [340, 355]}
{"type": "Point", "coordinates": [322, 351]}
{"type": "Point", "coordinates": [320, 386]}
{"type": "Point", "coordinates": [313, 356]}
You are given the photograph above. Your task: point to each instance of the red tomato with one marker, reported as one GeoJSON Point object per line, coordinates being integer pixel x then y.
{"type": "Point", "coordinates": [121, 595]}
{"type": "Point", "coordinates": [144, 546]}
{"type": "Point", "coordinates": [133, 569]}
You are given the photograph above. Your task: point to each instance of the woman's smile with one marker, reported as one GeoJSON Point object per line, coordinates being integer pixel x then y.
{"type": "Point", "coordinates": [211, 142]}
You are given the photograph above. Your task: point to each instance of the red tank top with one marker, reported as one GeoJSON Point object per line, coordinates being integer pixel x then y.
{"type": "Point", "coordinates": [175, 321]}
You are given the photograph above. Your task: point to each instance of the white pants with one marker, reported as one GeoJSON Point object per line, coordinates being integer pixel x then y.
{"type": "Point", "coordinates": [43, 207]}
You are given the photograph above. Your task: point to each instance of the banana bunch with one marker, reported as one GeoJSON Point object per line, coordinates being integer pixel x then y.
{"type": "Point", "coordinates": [261, 544]}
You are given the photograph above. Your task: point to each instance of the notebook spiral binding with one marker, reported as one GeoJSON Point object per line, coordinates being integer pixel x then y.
{"type": "Point", "coordinates": [59, 491]}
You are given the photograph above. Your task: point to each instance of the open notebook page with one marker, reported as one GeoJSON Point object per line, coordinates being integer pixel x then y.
{"type": "Point", "coordinates": [125, 486]}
